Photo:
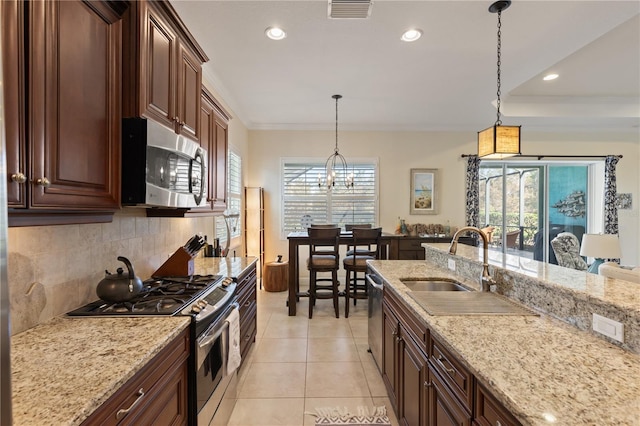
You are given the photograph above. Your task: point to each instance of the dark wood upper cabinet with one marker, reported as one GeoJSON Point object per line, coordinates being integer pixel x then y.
{"type": "Point", "coordinates": [66, 103]}
{"type": "Point", "coordinates": [163, 76]}
{"type": "Point", "coordinates": [12, 15]}
{"type": "Point", "coordinates": [214, 138]}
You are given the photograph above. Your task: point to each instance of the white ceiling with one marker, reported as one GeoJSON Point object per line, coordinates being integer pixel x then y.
{"type": "Point", "coordinates": [444, 81]}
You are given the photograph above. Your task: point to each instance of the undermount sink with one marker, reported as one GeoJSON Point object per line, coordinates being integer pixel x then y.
{"type": "Point", "coordinates": [468, 303]}
{"type": "Point", "coordinates": [433, 284]}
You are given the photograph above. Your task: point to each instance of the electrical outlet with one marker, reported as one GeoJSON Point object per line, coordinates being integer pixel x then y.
{"type": "Point", "coordinates": [452, 264]}
{"type": "Point", "coordinates": [608, 327]}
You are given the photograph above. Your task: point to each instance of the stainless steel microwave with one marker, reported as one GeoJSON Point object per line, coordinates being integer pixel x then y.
{"type": "Point", "coordinates": [161, 168]}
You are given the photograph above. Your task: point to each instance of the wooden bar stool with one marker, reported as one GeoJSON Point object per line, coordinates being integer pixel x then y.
{"type": "Point", "coordinates": [366, 246]}
{"type": "Point", "coordinates": [324, 256]}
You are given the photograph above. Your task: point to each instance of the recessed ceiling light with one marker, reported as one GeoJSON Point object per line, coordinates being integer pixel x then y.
{"type": "Point", "coordinates": [550, 77]}
{"type": "Point", "coordinates": [411, 35]}
{"type": "Point", "coordinates": [275, 33]}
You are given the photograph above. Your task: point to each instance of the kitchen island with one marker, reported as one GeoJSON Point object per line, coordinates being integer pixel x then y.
{"type": "Point", "coordinates": [542, 370]}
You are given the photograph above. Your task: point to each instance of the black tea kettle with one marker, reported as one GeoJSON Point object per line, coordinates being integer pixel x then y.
{"type": "Point", "coordinates": [119, 287]}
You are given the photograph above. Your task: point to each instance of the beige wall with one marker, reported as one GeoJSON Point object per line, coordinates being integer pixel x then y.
{"type": "Point", "coordinates": [398, 152]}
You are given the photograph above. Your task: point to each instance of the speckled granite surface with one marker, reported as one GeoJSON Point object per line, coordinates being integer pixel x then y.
{"type": "Point", "coordinates": [543, 370]}
{"type": "Point", "coordinates": [64, 369]}
{"type": "Point", "coordinates": [226, 266]}
{"type": "Point", "coordinates": [566, 294]}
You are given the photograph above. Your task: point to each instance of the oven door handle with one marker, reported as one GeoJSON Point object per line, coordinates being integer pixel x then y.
{"type": "Point", "coordinates": [210, 336]}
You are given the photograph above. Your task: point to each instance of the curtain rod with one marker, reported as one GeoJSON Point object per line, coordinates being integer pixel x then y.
{"type": "Point", "coordinates": [539, 157]}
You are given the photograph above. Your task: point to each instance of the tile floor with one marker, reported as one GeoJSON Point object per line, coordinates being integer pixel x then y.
{"type": "Point", "coordinates": [298, 365]}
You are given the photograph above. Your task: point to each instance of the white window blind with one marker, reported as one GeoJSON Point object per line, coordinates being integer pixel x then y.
{"type": "Point", "coordinates": [302, 196]}
{"type": "Point", "coordinates": [234, 196]}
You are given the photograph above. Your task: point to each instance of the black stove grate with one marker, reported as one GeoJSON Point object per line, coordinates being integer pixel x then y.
{"type": "Point", "coordinates": [161, 296]}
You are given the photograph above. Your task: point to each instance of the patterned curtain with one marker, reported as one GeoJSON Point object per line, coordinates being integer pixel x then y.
{"type": "Point", "coordinates": [472, 189]}
{"type": "Point", "coordinates": [610, 195]}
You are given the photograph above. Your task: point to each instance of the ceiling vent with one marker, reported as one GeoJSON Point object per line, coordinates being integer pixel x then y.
{"type": "Point", "coordinates": [350, 9]}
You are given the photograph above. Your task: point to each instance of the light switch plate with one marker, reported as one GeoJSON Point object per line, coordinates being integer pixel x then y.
{"type": "Point", "coordinates": [452, 264]}
{"type": "Point", "coordinates": [608, 327]}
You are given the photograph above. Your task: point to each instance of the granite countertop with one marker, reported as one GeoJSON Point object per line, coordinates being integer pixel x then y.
{"type": "Point", "coordinates": [64, 369]}
{"type": "Point", "coordinates": [226, 266]}
{"type": "Point", "coordinates": [541, 369]}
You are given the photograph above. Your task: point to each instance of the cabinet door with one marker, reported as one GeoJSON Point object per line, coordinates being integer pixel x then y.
{"type": "Point", "coordinates": [158, 68]}
{"type": "Point", "coordinates": [444, 409]}
{"type": "Point", "coordinates": [413, 377]}
{"type": "Point", "coordinates": [189, 87]}
{"type": "Point", "coordinates": [12, 14]}
{"type": "Point", "coordinates": [220, 172]}
{"type": "Point", "coordinates": [74, 104]}
{"type": "Point", "coordinates": [390, 356]}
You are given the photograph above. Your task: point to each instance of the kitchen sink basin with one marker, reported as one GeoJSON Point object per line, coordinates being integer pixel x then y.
{"type": "Point", "coordinates": [467, 303]}
{"type": "Point", "coordinates": [435, 284]}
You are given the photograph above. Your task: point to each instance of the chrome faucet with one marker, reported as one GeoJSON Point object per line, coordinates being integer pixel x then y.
{"type": "Point", "coordinates": [486, 281]}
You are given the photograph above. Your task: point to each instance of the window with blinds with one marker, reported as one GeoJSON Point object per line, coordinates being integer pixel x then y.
{"type": "Point", "coordinates": [234, 197]}
{"type": "Point", "coordinates": [304, 202]}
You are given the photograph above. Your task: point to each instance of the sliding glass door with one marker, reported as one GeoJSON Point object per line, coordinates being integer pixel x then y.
{"type": "Point", "coordinates": [530, 204]}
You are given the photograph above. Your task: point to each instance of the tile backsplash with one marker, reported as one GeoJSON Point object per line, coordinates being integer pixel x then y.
{"type": "Point", "coordinates": [55, 269]}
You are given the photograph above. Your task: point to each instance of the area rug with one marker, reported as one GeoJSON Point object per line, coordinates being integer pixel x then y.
{"type": "Point", "coordinates": [340, 416]}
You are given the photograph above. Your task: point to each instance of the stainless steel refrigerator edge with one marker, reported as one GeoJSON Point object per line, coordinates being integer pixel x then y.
{"type": "Point", "coordinates": [5, 353]}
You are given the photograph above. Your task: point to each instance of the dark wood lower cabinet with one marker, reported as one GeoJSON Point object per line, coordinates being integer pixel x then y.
{"type": "Point", "coordinates": [444, 408]}
{"type": "Point", "coordinates": [248, 309]}
{"type": "Point", "coordinates": [413, 379]}
{"type": "Point", "coordinates": [426, 383]}
{"type": "Point", "coordinates": [490, 412]}
{"type": "Point", "coordinates": [156, 395]}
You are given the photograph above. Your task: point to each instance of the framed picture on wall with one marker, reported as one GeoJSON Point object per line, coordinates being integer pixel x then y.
{"type": "Point", "coordinates": [424, 191]}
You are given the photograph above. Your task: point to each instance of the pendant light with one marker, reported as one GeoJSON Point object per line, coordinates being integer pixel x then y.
{"type": "Point", "coordinates": [335, 164]}
{"type": "Point", "coordinates": [498, 141]}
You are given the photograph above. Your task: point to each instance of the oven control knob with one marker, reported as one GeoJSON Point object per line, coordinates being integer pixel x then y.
{"type": "Point", "coordinates": [227, 281]}
{"type": "Point", "coordinates": [195, 309]}
{"type": "Point", "coordinates": [202, 303]}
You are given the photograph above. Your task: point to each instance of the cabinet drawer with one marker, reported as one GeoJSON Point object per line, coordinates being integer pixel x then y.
{"type": "Point", "coordinates": [443, 408]}
{"type": "Point", "coordinates": [246, 301]}
{"type": "Point", "coordinates": [248, 329]}
{"type": "Point", "coordinates": [489, 412]}
{"type": "Point", "coordinates": [456, 376]}
{"type": "Point", "coordinates": [417, 330]}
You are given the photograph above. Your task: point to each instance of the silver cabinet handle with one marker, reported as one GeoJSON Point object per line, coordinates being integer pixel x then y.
{"type": "Point", "coordinates": [123, 412]}
{"type": "Point", "coordinates": [427, 384]}
{"type": "Point", "coordinates": [498, 423]}
{"type": "Point", "coordinates": [448, 370]}
{"type": "Point", "coordinates": [19, 177]}
{"type": "Point", "coordinates": [43, 182]}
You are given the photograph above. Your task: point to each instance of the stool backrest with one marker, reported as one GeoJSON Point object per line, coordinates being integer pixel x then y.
{"type": "Point", "coordinates": [368, 238]}
{"type": "Point", "coordinates": [324, 241]}
{"type": "Point", "coordinates": [330, 225]}
{"type": "Point", "coordinates": [350, 226]}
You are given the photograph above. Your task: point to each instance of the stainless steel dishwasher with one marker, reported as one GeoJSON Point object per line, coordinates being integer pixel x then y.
{"type": "Point", "coordinates": [374, 288]}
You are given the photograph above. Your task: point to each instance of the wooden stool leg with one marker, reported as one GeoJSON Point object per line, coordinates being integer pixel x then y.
{"type": "Point", "coordinates": [312, 292]}
{"type": "Point", "coordinates": [347, 292]}
{"type": "Point", "coordinates": [355, 287]}
{"type": "Point", "coordinates": [334, 278]}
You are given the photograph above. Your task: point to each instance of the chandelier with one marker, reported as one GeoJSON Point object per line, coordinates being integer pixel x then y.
{"type": "Point", "coordinates": [498, 141]}
{"type": "Point", "coordinates": [335, 164]}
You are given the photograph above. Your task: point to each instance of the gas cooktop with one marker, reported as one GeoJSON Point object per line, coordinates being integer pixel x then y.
{"type": "Point", "coordinates": [161, 296]}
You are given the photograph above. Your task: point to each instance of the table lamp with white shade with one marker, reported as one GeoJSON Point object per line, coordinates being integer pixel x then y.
{"type": "Point", "coordinates": [600, 247]}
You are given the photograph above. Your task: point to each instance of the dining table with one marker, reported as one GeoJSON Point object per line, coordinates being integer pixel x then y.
{"type": "Point", "coordinates": [301, 238]}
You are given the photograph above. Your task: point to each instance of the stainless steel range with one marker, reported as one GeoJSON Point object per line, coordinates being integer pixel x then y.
{"type": "Point", "coordinates": [209, 300]}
